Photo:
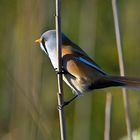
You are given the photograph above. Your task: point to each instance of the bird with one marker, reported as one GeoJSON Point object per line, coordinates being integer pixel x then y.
{"type": "Point", "coordinates": [80, 72]}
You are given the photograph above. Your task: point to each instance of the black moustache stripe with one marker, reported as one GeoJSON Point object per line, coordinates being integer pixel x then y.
{"type": "Point", "coordinates": [45, 49]}
{"type": "Point", "coordinates": [43, 43]}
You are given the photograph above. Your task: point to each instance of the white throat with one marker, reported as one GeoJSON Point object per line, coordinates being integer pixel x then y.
{"type": "Point", "coordinates": [51, 53]}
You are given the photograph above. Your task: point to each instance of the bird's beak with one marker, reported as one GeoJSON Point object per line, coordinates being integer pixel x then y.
{"type": "Point", "coordinates": [38, 40]}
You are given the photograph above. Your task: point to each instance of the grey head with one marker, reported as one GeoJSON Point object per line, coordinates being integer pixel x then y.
{"type": "Point", "coordinates": [50, 34]}
{"type": "Point", "coordinates": [48, 41]}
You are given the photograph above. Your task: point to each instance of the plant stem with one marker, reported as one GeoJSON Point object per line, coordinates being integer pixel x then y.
{"type": "Point", "coordinates": [108, 110]}
{"type": "Point", "coordinates": [59, 75]}
{"type": "Point", "coordinates": [122, 69]}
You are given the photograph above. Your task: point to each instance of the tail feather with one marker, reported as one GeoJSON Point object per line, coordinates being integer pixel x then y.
{"type": "Point", "coordinates": [114, 81]}
{"type": "Point", "coordinates": [127, 81]}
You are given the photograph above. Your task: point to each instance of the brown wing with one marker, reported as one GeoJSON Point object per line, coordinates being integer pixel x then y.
{"type": "Point", "coordinates": [78, 68]}
{"type": "Point", "coordinates": [76, 50]}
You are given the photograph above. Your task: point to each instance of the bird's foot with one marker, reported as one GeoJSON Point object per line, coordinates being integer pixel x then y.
{"type": "Point", "coordinates": [60, 72]}
{"type": "Point", "coordinates": [62, 106]}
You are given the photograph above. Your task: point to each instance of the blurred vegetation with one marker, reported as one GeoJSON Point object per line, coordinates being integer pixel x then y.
{"type": "Point", "coordinates": [28, 86]}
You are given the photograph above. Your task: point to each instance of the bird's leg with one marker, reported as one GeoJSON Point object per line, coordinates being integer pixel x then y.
{"type": "Point", "coordinates": [67, 102]}
{"type": "Point", "coordinates": [70, 101]}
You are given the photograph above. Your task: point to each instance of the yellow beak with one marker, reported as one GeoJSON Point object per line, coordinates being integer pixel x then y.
{"type": "Point", "coordinates": [38, 40]}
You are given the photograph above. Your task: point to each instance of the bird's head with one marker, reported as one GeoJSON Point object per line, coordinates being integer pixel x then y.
{"type": "Point", "coordinates": [47, 41]}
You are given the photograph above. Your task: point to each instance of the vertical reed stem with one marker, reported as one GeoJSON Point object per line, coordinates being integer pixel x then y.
{"type": "Point", "coordinates": [108, 109]}
{"type": "Point", "coordinates": [59, 75]}
{"type": "Point", "coordinates": [122, 69]}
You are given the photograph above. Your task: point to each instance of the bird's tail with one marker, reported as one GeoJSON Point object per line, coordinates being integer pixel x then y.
{"type": "Point", "coordinates": [114, 81]}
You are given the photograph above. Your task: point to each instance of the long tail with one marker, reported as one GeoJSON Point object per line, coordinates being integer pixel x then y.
{"type": "Point", "coordinates": [114, 81]}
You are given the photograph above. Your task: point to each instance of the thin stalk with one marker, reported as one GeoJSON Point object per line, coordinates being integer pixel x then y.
{"type": "Point", "coordinates": [122, 68]}
{"type": "Point", "coordinates": [59, 75]}
{"type": "Point", "coordinates": [108, 110]}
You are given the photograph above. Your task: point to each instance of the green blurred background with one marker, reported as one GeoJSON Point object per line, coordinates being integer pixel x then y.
{"type": "Point", "coordinates": [28, 86]}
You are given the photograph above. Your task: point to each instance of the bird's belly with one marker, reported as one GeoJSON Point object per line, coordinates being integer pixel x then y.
{"type": "Point", "coordinates": [78, 85]}
{"type": "Point", "coordinates": [83, 84]}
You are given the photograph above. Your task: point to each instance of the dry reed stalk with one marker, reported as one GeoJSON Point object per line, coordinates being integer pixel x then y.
{"type": "Point", "coordinates": [122, 69]}
{"type": "Point", "coordinates": [59, 74]}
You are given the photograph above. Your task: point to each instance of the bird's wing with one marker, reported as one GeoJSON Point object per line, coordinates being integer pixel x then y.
{"type": "Point", "coordinates": [82, 55]}
{"type": "Point", "coordinates": [90, 63]}
{"type": "Point", "coordinates": [80, 67]}
{"type": "Point", "coordinates": [76, 61]}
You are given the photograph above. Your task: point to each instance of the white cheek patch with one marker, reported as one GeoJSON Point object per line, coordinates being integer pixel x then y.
{"type": "Point", "coordinates": [50, 53]}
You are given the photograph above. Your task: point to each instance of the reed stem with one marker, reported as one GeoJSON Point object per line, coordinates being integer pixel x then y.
{"type": "Point", "coordinates": [59, 74]}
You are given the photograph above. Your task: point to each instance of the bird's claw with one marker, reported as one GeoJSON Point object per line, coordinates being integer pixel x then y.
{"type": "Point", "coordinates": [60, 72]}
{"type": "Point", "coordinates": [63, 105]}
{"type": "Point", "coordinates": [59, 107]}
